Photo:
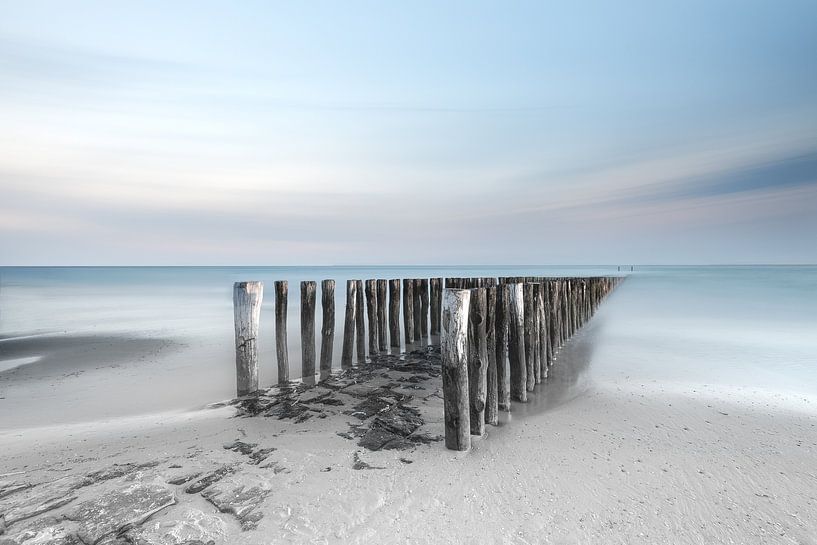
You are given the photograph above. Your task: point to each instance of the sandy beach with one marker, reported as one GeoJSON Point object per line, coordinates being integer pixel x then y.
{"type": "Point", "coordinates": [588, 460]}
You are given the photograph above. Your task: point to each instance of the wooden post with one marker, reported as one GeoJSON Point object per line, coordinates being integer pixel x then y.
{"type": "Point", "coordinates": [436, 304]}
{"type": "Point", "coordinates": [418, 310]}
{"type": "Point", "coordinates": [454, 352]}
{"type": "Point", "coordinates": [281, 350]}
{"type": "Point", "coordinates": [491, 400]}
{"type": "Point", "coordinates": [502, 370]}
{"type": "Point", "coordinates": [554, 317]}
{"type": "Point", "coordinates": [408, 311]}
{"type": "Point", "coordinates": [382, 303]}
{"type": "Point", "coordinates": [477, 360]}
{"type": "Point", "coordinates": [308, 289]}
{"type": "Point", "coordinates": [360, 323]}
{"type": "Point", "coordinates": [349, 325]}
{"type": "Point", "coordinates": [530, 356]}
{"type": "Point", "coordinates": [394, 315]}
{"type": "Point", "coordinates": [542, 344]}
{"type": "Point", "coordinates": [560, 321]}
{"type": "Point", "coordinates": [424, 307]}
{"type": "Point", "coordinates": [539, 366]}
{"type": "Point", "coordinates": [547, 302]}
{"type": "Point", "coordinates": [371, 314]}
{"type": "Point", "coordinates": [516, 341]}
{"type": "Point", "coordinates": [247, 298]}
{"type": "Point", "coordinates": [327, 327]}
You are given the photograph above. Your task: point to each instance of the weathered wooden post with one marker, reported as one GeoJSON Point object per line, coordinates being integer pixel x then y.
{"type": "Point", "coordinates": [547, 302]}
{"type": "Point", "coordinates": [554, 317]}
{"type": "Point", "coordinates": [408, 311]}
{"type": "Point", "coordinates": [516, 341]}
{"type": "Point", "coordinates": [247, 298]}
{"type": "Point", "coordinates": [540, 363]}
{"type": "Point", "coordinates": [349, 325]}
{"type": "Point", "coordinates": [394, 314]}
{"type": "Point", "coordinates": [491, 400]}
{"type": "Point", "coordinates": [418, 311]}
{"type": "Point", "coordinates": [371, 315]}
{"type": "Point", "coordinates": [454, 352]}
{"type": "Point", "coordinates": [308, 289]}
{"type": "Point", "coordinates": [424, 307]}
{"type": "Point", "coordinates": [281, 349]}
{"type": "Point", "coordinates": [382, 329]}
{"type": "Point", "coordinates": [477, 360]}
{"type": "Point", "coordinates": [436, 304]}
{"type": "Point", "coordinates": [360, 323]}
{"type": "Point", "coordinates": [502, 371]}
{"type": "Point", "coordinates": [530, 352]}
{"type": "Point", "coordinates": [327, 327]}
{"type": "Point", "coordinates": [563, 316]}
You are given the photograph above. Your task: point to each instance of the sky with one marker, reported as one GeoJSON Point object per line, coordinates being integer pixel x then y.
{"type": "Point", "coordinates": [267, 133]}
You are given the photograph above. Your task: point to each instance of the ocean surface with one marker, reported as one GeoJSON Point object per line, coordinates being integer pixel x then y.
{"type": "Point", "coordinates": [83, 344]}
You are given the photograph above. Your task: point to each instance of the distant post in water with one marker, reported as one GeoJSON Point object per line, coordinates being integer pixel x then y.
{"type": "Point", "coordinates": [247, 298]}
{"type": "Point", "coordinates": [408, 311]}
{"type": "Point", "coordinates": [281, 350]}
{"type": "Point", "coordinates": [454, 352]}
{"type": "Point", "coordinates": [382, 330]}
{"type": "Point", "coordinates": [394, 315]}
{"type": "Point", "coordinates": [360, 323]}
{"type": "Point", "coordinates": [371, 314]}
{"type": "Point", "coordinates": [477, 360]}
{"type": "Point", "coordinates": [349, 325]}
{"type": "Point", "coordinates": [308, 289]}
{"type": "Point", "coordinates": [516, 341]}
{"type": "Point", "coordinates": [327, 327]}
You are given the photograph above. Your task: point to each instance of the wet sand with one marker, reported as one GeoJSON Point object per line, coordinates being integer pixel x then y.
{"type": "Point", "coordinates": [589, 460]}
{"type": "Point", "coordinates": [63, 378]}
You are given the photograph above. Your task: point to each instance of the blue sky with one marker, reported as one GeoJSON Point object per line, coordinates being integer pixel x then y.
{"type": "Point", "coordinates": [419, 132]}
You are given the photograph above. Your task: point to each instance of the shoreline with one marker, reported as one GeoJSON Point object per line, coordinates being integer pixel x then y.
{"type": "Point", "coordinates": [585, 461]}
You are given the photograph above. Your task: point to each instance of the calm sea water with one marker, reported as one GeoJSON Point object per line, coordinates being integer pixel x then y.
{"type": "Point", "coordinates": [85, 344]}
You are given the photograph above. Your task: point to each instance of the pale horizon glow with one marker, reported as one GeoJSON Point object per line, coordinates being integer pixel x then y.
{"type": "Point", "coordinates": [212, 133]}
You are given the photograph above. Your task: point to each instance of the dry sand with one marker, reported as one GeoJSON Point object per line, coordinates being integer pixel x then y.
{"type": "Point", "coordinates": [587, 461]}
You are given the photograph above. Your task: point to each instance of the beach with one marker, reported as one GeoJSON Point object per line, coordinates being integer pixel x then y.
{"type": "Point", "coordinates": [628, 441]}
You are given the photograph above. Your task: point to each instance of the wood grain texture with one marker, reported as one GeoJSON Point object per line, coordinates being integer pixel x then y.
{"type": "Point", "coordinates": [247, 297]}
{"type": "Point", "coordinates": [394, 315]}
{"type": "Point", "coordinates": [503, 377]}
{"type": "Point", "coordinates": [516, 341]}
{"type": "Point", "coordinates": [327, 327]}
{"type": "Point", "coordinates": [454, 352]}
{"type": "Point", "coordinates": [477, 360]}
{"type": "Point", "coordinates": [382, 326]}
{"type": "Point", "coordinates": [281, 348]}
{"type": "Point", "coordinates": [347, 352]}
{"type": "Point", "coordinates": [308, 289]}
{"type": "Point", "coordinates": [408, 311]}
{"type": "Point", "coordinates": [371, 315]}
{"type": "Point", "coordinates": [360, 323]}
{"type": "Point", "coordinates": [492, 397]}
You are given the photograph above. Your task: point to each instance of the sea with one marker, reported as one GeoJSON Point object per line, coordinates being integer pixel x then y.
{"type": "Point", "coordinates": [94, 344]}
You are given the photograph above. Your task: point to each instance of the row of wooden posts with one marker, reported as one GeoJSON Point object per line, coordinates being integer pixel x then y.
{"type": "Point", "coordinates": [421, 305]}
{"type": "Point", "coordinates": [498, 335]}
